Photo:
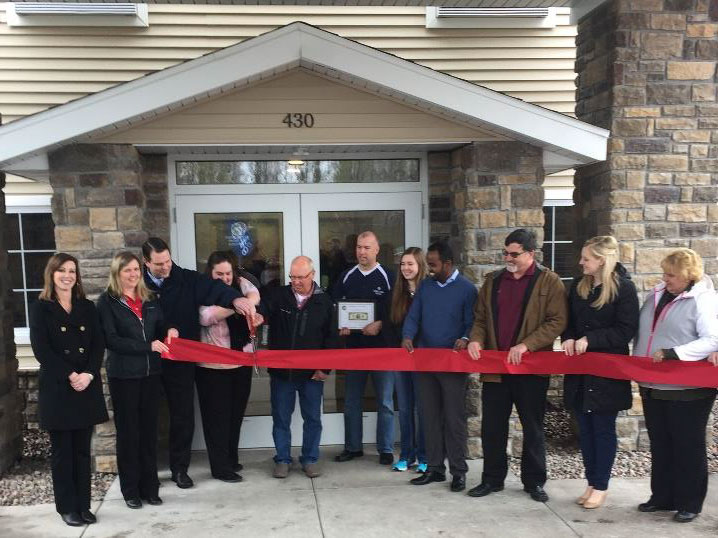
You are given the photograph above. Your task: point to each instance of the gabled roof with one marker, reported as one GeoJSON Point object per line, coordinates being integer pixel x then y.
{"type": "Point", "coordinates": [570, 141]}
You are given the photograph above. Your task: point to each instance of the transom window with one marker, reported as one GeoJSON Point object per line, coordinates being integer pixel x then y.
{"type": "Point", "coordinates": [297, 171]}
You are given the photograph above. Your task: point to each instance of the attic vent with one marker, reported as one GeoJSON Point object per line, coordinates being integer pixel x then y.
{"type": "Point", "coordinates": [80, 8]}
{"type": "Point", "coordinates": [533, 12]}
{"type": "Point", "coordinates": [493, 17]}
{"type": "Point", "coordinates": [76, 14]}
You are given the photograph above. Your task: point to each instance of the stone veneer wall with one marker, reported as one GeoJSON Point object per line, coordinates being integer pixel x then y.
{"type": "Point", "coordinates": [647, 71]}
{"type": "Point", "coordinates": [106, 198]}
{"type": "Point", "coordinates": [478, 194]}
{"type": "Point", "coordinates": [10, 398]}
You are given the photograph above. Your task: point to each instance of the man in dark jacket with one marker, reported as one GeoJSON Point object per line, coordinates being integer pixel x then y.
{"type": "Point", "coordinates": [180, 293]}
{"type": "Point", "coordinates": [299, 317]}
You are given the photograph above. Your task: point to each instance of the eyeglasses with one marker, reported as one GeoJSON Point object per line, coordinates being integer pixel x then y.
{"type": "Point", "coordinates": [514, 255]}
{"type": "Point", "coordinates": [297, 277]}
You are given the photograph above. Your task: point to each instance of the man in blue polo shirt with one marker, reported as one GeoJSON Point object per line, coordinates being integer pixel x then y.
{"type": "Point", "coordinates": [441, 316]}
{"type": "Point", "coordinates": [367, 281]}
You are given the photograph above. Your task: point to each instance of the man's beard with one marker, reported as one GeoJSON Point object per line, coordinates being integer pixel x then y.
{"type": "Point", "coordinates": [511, 268]}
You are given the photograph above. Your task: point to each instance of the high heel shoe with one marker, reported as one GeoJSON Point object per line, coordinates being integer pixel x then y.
{"type": "Point", "coordinates": [586, 494]}
{"type": "Point", "coordinates": [596, 499]}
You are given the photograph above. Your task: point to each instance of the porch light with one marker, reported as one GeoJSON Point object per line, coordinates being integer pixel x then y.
{"type": "Point", "coordinates": [295, 162]}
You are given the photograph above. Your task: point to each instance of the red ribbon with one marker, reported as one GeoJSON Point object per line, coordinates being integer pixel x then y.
{"type": "Point", "coordinates": [695, 374]}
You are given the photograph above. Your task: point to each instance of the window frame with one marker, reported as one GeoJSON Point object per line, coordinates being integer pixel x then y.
{"type": "Point", "coordinates": [553, 204]}
{"type": "Point", "coordinates": [22, 334]}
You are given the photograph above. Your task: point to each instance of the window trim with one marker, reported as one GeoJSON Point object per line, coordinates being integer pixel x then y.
{"type": "Point", "coordinates": [22, 334]}
{"type": "Point", "coordinates": [553, 204]}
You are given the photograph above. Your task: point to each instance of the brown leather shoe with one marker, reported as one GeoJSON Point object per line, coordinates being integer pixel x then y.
{"type": "Point", "coordinates": [281, 470]}
{"type": "Point", "coordinates": [311, 470]}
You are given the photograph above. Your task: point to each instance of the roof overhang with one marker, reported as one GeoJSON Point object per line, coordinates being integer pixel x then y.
{"type": "Point", "coordinates": [572, 142]}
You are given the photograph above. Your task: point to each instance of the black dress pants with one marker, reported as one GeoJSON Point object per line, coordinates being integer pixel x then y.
{"type": "Point", "coordinates": [70, 464]}
{"type": "Point", "coordinates": [679, 467]}
{"type": "Point", "coordinates": [135, 403]}
{"type": "Point", "coordinates": [223, 396]}
{"type": "Point", "coordinates": [528, 393]}
{"type": "Point", "coordinates": [442, 403]}
{"type": "Point", "coordinates": [178, 382]}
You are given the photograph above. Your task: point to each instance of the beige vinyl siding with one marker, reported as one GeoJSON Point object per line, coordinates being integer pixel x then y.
{"type": "Point", "coordinates": [341, 115]}
{"type": "Point", "coordinates": [46, 66]}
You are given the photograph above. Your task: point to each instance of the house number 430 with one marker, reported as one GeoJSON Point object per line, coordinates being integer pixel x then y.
{"type": "Point", "coordinates": [297, 119]}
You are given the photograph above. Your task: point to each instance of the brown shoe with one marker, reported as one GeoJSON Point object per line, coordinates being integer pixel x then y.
{"type": "Point", "coordinates": [586, 494]}
{"type": "Point", "coordinates": [311, 470]}
{"type": "Point", "coordinates": [281, 470]}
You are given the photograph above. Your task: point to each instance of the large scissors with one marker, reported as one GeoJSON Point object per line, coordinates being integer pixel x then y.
{"type": "Point", "coordinates": [253, 341]}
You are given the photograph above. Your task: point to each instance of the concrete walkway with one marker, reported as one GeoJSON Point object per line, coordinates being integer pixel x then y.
{"type": "Point", "coordinates": [360, 499]}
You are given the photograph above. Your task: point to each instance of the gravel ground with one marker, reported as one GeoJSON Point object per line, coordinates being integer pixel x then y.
{"type": "Point", "coordinates": [564, 458]}
{"type": "Point", "coordinates": [29, 481]}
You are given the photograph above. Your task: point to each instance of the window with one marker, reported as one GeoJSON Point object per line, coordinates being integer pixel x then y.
{"type": "Point", "coordinates": [30, 240]}
{"type": "Point", "coordinates": [558, 234]}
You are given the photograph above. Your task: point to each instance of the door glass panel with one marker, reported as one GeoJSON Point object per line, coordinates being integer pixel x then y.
{"type": "Point", "coordinates": [257, 238]}
{"type": "Point", "coordinates": [266, 172]}
{"type": "Point", "coordinates": [338, 232]}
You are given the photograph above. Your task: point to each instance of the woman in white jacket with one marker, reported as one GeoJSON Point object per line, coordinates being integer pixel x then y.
{"type": "Point", "coordinates": [678, 321]}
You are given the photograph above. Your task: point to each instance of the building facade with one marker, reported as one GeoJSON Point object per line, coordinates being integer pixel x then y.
{"type": "Point", "coordinates": [221, 126]}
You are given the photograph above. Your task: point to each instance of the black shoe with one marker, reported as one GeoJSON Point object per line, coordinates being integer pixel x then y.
{"type": "Point", "coordinates": [237, 467]}
{"type": "Point", "coordinates": [348, 455]}
{"type": "Point", "coordinates": [88, 517]}
{"type": "Point", "coordinates": [386, 458]}
{"type": "Point", "coordinates": [154, 500]}
{"type": "Point", "coordinates": [650, 507]}
{"type": "Point", "coordinates": [73, 519]}
{"type": "Point", "coordinates": [537, 493]}
{"type": "Point", "coordinates": [684, 517]}
{"type": "Point", "coordinates": [133, 503]}
{"type": "Point", "coordinates": [458, 483]}
{"type": "Point", "coordinates": [228, 477]}
{"type": "Point", "coordinates": [483, 489]}
{"type": "Point", "coordinates": [428, 478]}
{"type": "Point", "coordinates": [182, 479]}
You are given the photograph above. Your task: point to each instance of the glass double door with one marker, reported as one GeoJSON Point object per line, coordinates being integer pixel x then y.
{"type": "Point", "coordinates": [267, 231]}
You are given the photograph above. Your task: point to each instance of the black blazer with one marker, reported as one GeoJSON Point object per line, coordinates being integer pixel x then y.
{"type": "Point", "coordinates": [129, 339]}
{"type": "Point", "coordinates": [64, 343]}
{"type": "Point", "coordinates": [183, 292]}
{"type": "Point", "coordinates": [608, 330]}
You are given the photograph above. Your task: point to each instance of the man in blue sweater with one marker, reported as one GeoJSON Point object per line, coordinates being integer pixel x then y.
{"type": "Point", "coordinates": [442, 315]}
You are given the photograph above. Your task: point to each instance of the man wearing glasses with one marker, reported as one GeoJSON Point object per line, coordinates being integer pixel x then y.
{"type": "Point", "coordinates": [299, 317]}
{"type": "Point", "coordinates": [520, 308]}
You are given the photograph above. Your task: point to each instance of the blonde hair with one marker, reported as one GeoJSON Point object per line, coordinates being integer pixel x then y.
{"type": "Point", "coordinates": [400, 296]}
{"type": "Point", "coordinates": [605, 248]}
{"type": "Point", "coordinates": [119, 262]}
{"type": "Point", "coordinates": [53, 264]}
{"type": "Point", "coordinates": [685, 263]}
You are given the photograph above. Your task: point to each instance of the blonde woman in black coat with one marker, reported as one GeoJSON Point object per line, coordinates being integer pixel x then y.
{"type": "Point", "coordinates": [603, 317]}
{"type": "Point", "coordinates": [134, 328]}
{"type": "Point", "coordinates": [67, 342]}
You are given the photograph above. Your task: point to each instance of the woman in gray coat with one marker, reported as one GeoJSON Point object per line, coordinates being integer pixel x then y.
{"type": "Point", "coordinates": [678, 321]}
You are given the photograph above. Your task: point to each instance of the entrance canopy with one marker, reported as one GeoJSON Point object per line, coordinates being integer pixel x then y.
{"type": "Point", "coordinates": [102, 117]}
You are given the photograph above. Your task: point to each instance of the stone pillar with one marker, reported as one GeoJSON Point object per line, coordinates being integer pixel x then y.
{"type": "Point", "coordinates": [106, 198]}
{"type": "Point", "coordinates": [647, 71]}
{"type": "Point", "coordinates": [10, 397]}
{"type": "Point", "coordinates": [496, 187]}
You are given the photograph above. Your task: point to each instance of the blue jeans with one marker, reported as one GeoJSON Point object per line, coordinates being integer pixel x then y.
{"type": "Point", "coordinates": [283, 397]}
{"type": "Point", "coordinates": [597, 437]}
{"type": "Point", "coordinates": [384, 389]}
{"type": "Point", "coordinates": [410, 422]}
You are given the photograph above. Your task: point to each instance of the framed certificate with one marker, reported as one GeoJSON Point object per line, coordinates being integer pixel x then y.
{"type": "Point", "coordinates": [354, 315]}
